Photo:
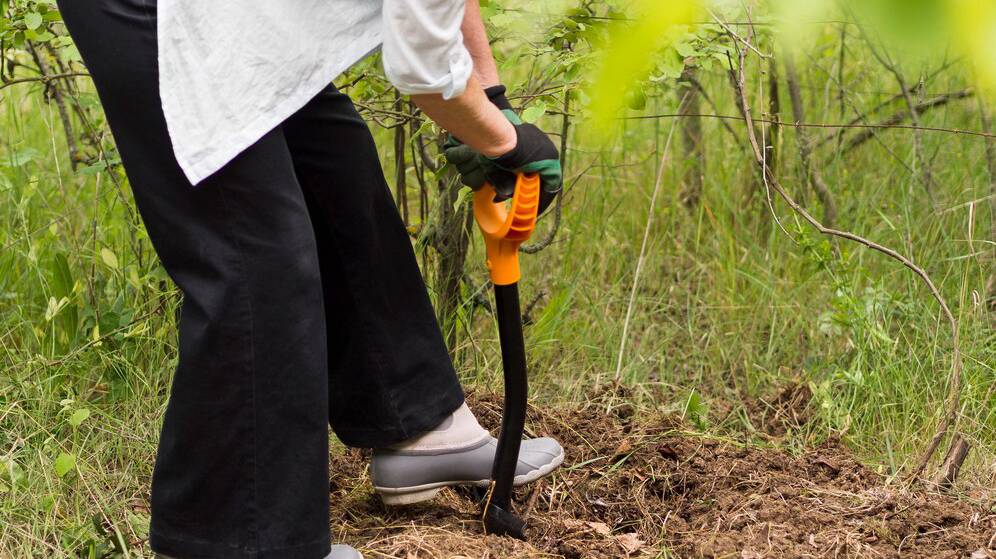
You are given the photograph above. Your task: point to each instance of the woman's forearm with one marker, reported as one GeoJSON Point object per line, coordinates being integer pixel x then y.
{"type": "Point", "coordinates": [472, 118]}
{"type": "Point", "coordinates": [475, 38]}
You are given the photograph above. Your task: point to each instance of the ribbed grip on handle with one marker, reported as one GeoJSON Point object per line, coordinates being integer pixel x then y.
{"type": "Point", "coordinates": [506, 228]}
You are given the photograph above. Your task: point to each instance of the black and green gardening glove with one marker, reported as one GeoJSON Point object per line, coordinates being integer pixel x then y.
{"type": "Point", "coordinates": [533, 153]}
{"type": "Point", "coordinates": [496, 94]}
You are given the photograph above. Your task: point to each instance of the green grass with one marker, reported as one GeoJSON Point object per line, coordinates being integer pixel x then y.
{"type": "Point", "coordinates": [729, 308]}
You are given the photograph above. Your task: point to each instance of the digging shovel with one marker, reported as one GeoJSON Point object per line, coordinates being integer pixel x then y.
{"type": "Point", "coordinates": [505, 227]}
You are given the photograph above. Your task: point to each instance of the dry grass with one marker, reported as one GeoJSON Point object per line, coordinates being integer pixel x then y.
{"type": "Point", "coordinates": [640, 484]}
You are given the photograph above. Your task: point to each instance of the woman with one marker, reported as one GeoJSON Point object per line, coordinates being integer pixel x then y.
{"type": "Point", "coordinates": [261, 190]}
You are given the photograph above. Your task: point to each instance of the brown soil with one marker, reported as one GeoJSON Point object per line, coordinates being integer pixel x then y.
{"type": "Point", "coordinates": [636, 484]}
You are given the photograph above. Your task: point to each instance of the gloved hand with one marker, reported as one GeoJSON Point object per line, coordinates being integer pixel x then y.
{"type": "Point", "coordinates": [533, 153]}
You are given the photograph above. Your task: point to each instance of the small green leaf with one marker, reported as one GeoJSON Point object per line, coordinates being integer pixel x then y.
{"type": "Point", "coordinates": [64, 464]}
{"type": "Point", "coordinates": [637, 99]}
{"type": "Point", "coordinates": [39, 36]}
{"type": "Point", "coordinates": [697, 410]}
{"type": "Point", "coordinates": [109, 258]}
{"type": "Point", "coordinates": [462, 195]}
{"type": "Point", "coordinates": [23, 156]}
{"type": "Point", "coordinates": [32, 20]}
{"type": "Point", "coordinates": [92, 169]}
{"type": "Point", "coordinates": [62, 277]}
{"type": "Point", "coordinates": [534, 113]}
{"type": "Point", "coordinates": [78, 417]}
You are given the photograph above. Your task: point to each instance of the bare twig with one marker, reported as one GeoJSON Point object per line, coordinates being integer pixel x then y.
{"type": "Point", "coordinates": [828, 125]}
{"type": "Point", "coordinates": [812, 175]}
{"type": "Point", "coordinates": [955, 377]}
{"type": "Point", "coordinates": [418, 151]}
{"type": "Point", "coordinates": [895, 119]}
{"type": "Point", "coordinates": [737, 37]}
{"type": "Point", "coordinates": [836, 136]}
{"type": "Point", "coordinates": [739, 98]}
{"type": "Point", "coordinates": [914, 114]}
{"type": "Point", "coordinates": [44, 79]}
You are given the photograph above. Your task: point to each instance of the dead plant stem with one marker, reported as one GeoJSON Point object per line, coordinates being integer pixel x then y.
{"type": "Point", "coordinates": [955, 377]}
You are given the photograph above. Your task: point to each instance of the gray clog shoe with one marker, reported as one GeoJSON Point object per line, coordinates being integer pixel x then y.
{"type": "Point", "coordinates": [343, 552]}
{"type": "Point", "coordinates": [338, 552]}
{"type": "Point", "coordinates": [406, 477]}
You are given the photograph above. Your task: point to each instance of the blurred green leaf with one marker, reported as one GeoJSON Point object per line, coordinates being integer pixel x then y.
{"type": "Point", "coordinates": [62, 277]}
{"type": "Point", "coordinates": [78, 417]}
{"type": "Point", "coordinates": [32, 20]}
{"type": "Point", "coordinates": [974, 23]}
{"type": "Point", "coordinates": [23, 156]}
{"type": "Point", "coordinates": [109, 258]}
{"type": "Point", "coordinates": [636, 99]}
{"type": "Point", "coordinates": [64, 464]}
{"type": "Point", "coordinates": [697, 411]}
{"type": "Point", "coordinates": [630, 53]}
{"type": "Point", "coordinates": [534, 113]}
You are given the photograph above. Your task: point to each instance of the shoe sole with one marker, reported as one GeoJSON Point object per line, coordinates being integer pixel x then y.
{"type": "Point", "coordinates": [397, 496]}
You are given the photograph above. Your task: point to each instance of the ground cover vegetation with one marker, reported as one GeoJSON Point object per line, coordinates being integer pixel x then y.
{"type": "Point", "coordinates": [760, 316]}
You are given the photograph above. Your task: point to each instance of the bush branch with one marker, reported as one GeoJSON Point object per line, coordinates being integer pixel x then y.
{"type": "Point", "coordinates": [955, 377]}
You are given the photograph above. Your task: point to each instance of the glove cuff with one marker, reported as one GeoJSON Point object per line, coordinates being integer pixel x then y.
{"type": "Point", "coordinates": [496, 94]}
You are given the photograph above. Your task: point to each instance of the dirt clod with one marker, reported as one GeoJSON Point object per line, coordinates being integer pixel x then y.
{"type": "Point", "coordinates": [638, 487]}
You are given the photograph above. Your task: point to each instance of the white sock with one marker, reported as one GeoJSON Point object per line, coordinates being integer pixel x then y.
{"type": "Point", "coordinates": [460, 430]}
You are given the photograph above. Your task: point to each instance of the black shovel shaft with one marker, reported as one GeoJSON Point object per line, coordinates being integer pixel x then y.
{"type": "Point", "coordinates": [513, 421]}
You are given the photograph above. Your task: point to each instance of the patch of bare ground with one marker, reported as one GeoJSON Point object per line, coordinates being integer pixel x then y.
{"type": "Point", "coordinates": [636, 484]}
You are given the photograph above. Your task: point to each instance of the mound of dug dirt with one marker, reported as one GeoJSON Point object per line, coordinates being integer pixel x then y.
{"type": "Point", "coordinates": [638, 485]}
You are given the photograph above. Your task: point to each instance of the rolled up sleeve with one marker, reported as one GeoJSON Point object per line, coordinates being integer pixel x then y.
{"type": "Point", "coordinates": [423, 47]}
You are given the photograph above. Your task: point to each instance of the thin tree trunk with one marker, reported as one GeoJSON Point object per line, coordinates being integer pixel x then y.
{"type": "Point", "coordinates": [774, 110]}
{"type": "Point", "coordinates": [400, 175]}
{"type": "Point", "coordinates": [987, 126]}
{"type": "Point", "coordinates": [841, 93]}
{"type": "Point", "coordinates": [422, 162]}
{"type": "Point", "coordinates": [953, 461]}
{"type": "Point", "coordinates": [812, 175]}
{"type": "Point", "coordinates": [54, 90]}
{"type": "Point", "coordinates": [691, 135]}
{"type": "Point", "coordinates": [451, 240]}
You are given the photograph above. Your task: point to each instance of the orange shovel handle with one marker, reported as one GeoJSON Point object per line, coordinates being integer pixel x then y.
{"type": "Point", "coordinates": [506, 228]}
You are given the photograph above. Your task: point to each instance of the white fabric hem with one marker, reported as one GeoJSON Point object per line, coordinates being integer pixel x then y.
{"type": "Point", "coordinates": [454, 85]}
{"type": "Point", "coordinates": [232, 71]}
{"type": "Point", "coordinates": [196, 169]}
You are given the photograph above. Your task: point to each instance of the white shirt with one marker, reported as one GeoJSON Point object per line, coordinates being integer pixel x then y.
{"type": "Point", "coordinates": [232, 70]}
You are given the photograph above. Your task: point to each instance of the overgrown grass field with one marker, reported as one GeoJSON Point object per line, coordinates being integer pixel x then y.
{"type": "Point", "coordinates": [729, 302]}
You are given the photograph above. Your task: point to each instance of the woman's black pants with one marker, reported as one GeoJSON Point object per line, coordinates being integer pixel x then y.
{"type": "Point", "coordinates": [303, 306]}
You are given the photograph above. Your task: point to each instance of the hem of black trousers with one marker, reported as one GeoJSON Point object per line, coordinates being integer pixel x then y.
{"type": "Point", "coordinates": [427, 417]}
{"type": "Point", "coordinates": [180, 548]}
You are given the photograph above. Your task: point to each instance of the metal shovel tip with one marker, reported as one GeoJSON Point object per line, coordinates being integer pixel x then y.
{"type": "Point", "coordinates": [500, 522]}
